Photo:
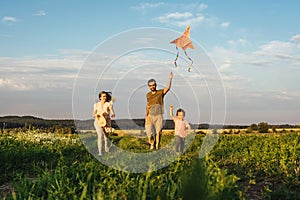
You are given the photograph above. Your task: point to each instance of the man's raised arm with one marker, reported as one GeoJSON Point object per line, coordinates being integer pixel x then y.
{"type": "Point", "coordinates": [166, 89]}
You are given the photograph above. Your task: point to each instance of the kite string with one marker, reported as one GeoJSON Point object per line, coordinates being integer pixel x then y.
{"type": "Point", "coordinates": [190, 66]}
{"type": "Point", "coordinates": [175, 63]}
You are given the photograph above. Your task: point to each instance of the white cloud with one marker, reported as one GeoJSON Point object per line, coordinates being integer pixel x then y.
{"type": "Point", "coordinates": [227, 58]}
{"type": "Point", "coordinates": [144, 6]}
{"type": "Point", "coordinates": [74, 53]}
{"type": "Point", "coordinates": [203, 6]}
{"type": "Point", "coordinates": [279, 51]}
{"type": "Point", "coordinates": [3, 82]}
{"type": "Point", "coordinates": [271, 70]}
{"type": "Point", "coordinates": [225, 66]}
{"type": "Point", "coordinates": [284, 96]}
{"type": "Point", "coordinates": [296, 38]}
{"type": "Point", "coordinates": [9, 19]}
{"type": "Point", "coordinates": [29, 73]}
{"type": "Point", "coordinates": [287, 57]}
{"type": "Point", "coordinates": [225, 24]}
{"type": "Point", "coordinates": [39, 13]}
{"type": "Point", "coordinates": [181, 19]}
{"type": "Point", "coordinates": [14, 84]}
{"type": "Point", "coordinates": [181, 15]}
{"type": "Point", "coordinates": [234, 78]}
{"type": "Point", "coordinates": [259, 62]}
{"type": "Point", "coordinates": [32, 73]}
{"type": "Point", "coordinates": [239, 42]}
{"type": "Point", "coordinates": [276, 47]}
{"type": "Point", "coordinates": [192, 21]}
{"type": "Point", "coordinates": [273, 53]}
{"type": "Point", "coordinates": [176, 16]}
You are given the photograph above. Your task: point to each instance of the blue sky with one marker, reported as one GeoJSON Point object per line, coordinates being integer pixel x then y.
{"type": "Point", "coordinates": [255, 46]}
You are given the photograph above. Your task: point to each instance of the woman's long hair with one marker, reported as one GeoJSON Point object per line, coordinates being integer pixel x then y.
{"type": "Point", "coordinates": [108, 95]}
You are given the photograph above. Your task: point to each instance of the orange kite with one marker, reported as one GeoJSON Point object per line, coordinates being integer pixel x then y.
{"type": "Point", "coordinates": [184, 42]}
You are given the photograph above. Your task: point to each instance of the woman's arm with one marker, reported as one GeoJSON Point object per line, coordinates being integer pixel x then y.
{"type": "Point", "coordinates": [95, 110]}
{"type": "Point", "coordinates": [111, 109]}
{"type": "Point", "coordinates": [112, 112]}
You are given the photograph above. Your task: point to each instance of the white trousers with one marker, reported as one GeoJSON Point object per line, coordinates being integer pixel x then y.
{"type": "Point", "coordinates": [100, 133]}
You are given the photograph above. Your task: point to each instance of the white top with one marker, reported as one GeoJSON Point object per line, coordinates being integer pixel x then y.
{"type": "Point", "coordinates": [180, 127]}
{"type": "Point", "coordinates": [106, 108]}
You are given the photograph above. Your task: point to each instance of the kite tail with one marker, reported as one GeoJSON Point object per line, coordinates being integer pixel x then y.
{"type": "Point", "coordinates": [190, 67]}
{"type": "Point", "coordinates": [175, 63]}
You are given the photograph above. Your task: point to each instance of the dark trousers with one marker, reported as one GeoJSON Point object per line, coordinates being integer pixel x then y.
{"type": "Point", "coordinates": [179, 144]}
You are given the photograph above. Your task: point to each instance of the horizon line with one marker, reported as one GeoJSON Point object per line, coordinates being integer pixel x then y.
{"type": "Point", "coordinates": [72, 119]}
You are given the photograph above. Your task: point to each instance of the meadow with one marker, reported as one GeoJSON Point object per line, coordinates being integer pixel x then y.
{"type": "Point", "coordinates": [43, 165]}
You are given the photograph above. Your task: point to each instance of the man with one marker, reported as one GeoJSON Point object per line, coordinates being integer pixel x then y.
{"type": "Point", "coordinates": [155, 110]}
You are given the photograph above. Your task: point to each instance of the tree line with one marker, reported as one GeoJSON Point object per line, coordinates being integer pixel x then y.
{"type": "Point", "coordinates": [68, 125]}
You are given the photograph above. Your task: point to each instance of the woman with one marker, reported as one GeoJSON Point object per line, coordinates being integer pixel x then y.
{"type": "Point", "coordinates": [103, 109]}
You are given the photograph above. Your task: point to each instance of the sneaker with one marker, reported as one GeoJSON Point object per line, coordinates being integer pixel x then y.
{"type": "Point", "coordinates": [106, 150]}
{"type": "Point", "coordinates": [156, 146]}
{"type": "Point", "coordinates": [151, 147]}
{"type": "Point", "coordinates": [99, 154]}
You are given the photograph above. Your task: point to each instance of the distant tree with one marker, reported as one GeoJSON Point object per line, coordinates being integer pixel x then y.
{"type": "Point", "coordinates": [254, 127]}
{"type": "Point", "coordinates": [203, 126]}
{"type": "Point", "coordinates": [249, 130]}
{"type": "Point", "coordinates": [283, 131]}
{"type": "Point", "coordinates": [225, 132]}
{"type": "Point", "coordinates": [274, 130]}
{"type": "Point", "coordinates": [201, 132]}
{"type": "Point", "coordinates": [263, 127]}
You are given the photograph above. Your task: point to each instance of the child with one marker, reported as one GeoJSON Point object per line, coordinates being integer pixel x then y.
{"type": "Point", "coordinates": [180, 128]}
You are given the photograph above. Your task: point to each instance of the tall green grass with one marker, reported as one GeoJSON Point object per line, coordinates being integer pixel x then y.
{"type": "Point", "coordinates": [54, 166]}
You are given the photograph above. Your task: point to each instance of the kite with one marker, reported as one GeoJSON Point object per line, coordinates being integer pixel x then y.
{"type": "Point", "coordinates": [184, 42]}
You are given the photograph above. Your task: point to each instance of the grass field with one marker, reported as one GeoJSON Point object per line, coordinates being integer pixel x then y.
{"type": "Point", "coordinates": [37, 165]}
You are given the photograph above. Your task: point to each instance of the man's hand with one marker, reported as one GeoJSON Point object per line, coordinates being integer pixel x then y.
{"type": "Point", "coordinates": [166, 89]}
{"type": "Point", "coordinates": [171, 75]}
